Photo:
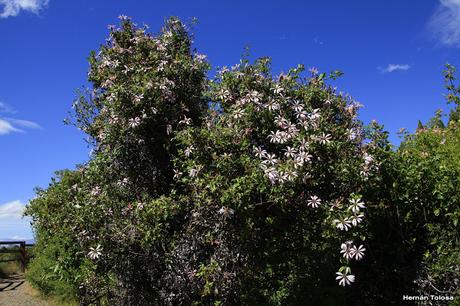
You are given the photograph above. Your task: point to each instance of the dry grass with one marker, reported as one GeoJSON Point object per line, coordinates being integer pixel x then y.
{"type": "Point", "coordinates": [8, 268]}
{"type": "Point", "coordinates": [31, 291]}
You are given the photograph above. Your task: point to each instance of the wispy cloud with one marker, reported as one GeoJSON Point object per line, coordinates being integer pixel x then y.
{"type": "Point", "coordinates": [11, 210]}
{"type": "Point", "coordinates": [393, 67]}
{"type": "Point", "coordinates": [6, 127]}
{"type": "Point", "coordinates": [5, 108]}
{"type": "Point", "coordinates": [12, 223]}
{"type": "Point", "coordinates": [445, 23]}
{"type": "Point", "coordinates": [24, 123]}
{"type": "Point", "coordinates": [14, 7]}
{"type": "Point", "coordinates": [11, 125]}
{"type": "Point", "coordinates": [317, 41]}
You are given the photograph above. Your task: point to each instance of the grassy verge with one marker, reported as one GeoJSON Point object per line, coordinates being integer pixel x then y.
{"type": "Point", "coordinates": [10, 267]}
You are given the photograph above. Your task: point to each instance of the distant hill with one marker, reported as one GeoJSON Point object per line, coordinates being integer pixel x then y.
{"type": "Point", "coordinates": [28, 241]}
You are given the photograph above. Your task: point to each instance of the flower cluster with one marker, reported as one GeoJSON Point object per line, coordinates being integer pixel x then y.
{"type": "Point", "coordinates": [294, 134]}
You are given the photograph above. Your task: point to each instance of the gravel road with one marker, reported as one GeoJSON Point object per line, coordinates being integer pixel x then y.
{"type": "Point", "coordinates": [16, 291]}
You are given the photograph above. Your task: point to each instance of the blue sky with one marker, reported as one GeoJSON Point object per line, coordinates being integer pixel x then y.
{"type": "Point", "coordinates": [392, 53]}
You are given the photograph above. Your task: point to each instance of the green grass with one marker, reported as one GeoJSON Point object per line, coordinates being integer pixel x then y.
{"type": "Point", "coordinates": [10, 267]}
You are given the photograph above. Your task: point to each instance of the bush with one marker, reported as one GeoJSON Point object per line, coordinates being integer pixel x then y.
{"type": "Point", "coordinates": [431, 170]}
{"type": "Point", "coordinates": [272, 182]}
{"type": "Point", "coordinates": [247, 189]}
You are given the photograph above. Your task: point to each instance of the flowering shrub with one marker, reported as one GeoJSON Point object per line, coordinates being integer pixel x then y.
{"type": "Point", "coordinates": [278, 163]}
{"type": "Point", "coordinates": [246, 189]}
{"type": "Point", "coordinates": [144, 88]}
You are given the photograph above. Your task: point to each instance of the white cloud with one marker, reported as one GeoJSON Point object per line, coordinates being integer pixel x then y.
{"type": "Point", "coordinates": [6, 127]}
{"type": "Point", "coordinates": [394, 67]}
{"type": "Point", "coordinates": [17, 237]}
{"type": "Point", "coordinates": [10, 125]}
{"type": "Point", "coordinates": [24, 123]}
{"type": "Point", "coordinates": [5, 108]}
{"type": "Point", "coordinates": [12, 223]}
{"type": "Point", "coordinates": [445, 23]}
{"type": "Point", "coordinates": [11, 210]}
{"type": "Point", "coordinates": [14, 7]}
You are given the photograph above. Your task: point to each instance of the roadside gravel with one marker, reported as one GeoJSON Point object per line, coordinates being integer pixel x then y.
{"type": "Point", "coordinates": [16, 291]}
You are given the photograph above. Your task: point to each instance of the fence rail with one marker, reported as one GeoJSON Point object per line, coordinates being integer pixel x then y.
{"type": "Point", "coordinates": [21, 249]}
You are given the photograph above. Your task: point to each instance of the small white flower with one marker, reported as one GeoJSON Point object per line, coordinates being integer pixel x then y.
{"type": "Point", "coordinates": [95, 253]}
{"type": "Point", "coordinates": [134, 122]}
{"type": "Point", "coordinates": [270, 159]}
{"type": "Point", "coordinates": [365, 173]}
{"type": "Point", "coordinates": [138, 98]}
{"type": "Point", "coordinates": [169, 129]}
{"type": "Point", "coordinates": [284, 137]}
{"type": "Point", "coordinates": [96, 191]}
{"type": "Point", "coordinates": [368, 159]}
{"type": "Point", "coordinates": [224, 94]}
{"type": "Point", "coordinates": [356, 219]}
{"type": "Point", "coordinates": [272, 106]}
{"type": "Point", "coordinates": [356, 205]}
{"type": "Point", "coordinates": [343, 224]}
{"type": "Point", "coordinates": [324, 138]}
{"type": "Point", "coordinates": [272, 174]}
{"type": "Point", "coordinates": [186, 121]}
{"type": "Point", "coordinates": [123, 182]}
{"type": "Point", "coordinates": [344, 278]}
{"type": "Point", "coordinates": [200, 58]}
{"type": "Point", "coordinates": [273, 137]}
{"type": "Point", "coordinates": [223, 70]}
{"type": "Point", "coordinates": [282, 177]}
{"type": "Point", "coordinates": [304, 145]}
{"type": "Point", "coordinates": [193, 172]}
{"type": "Point", "coordinates": [254, 96]}
{"type": "Point", "coordinates": [290, 152]}
{"type": "Point", "coordinates": [281, 122]}
{"type": "Point", "coordinates": [291, 175]}
{"type": "Point", "coordinates": [277, 89]}
{"type": "Point", "coordinates": [315, 114]}
{"type": "Point", "coordinates": [301, 114]}
{"type": "Point", "coordinates": [292, 129]}
{"type": "Point", "coordinates": [177, 174]}
{"type": "Point", "coordinates": [259, 152]}
{"type": "Point", "coordinates": [188, 151]}
{"type": "Point", "coordinates": [304, 156]}
{"type": "Point", "coordinates": [297, 106]}
{"type": "Point", "coordinates": [226, 212]}
{"type": "Point", "coordinates": [226, 155]}
{"type": "Point", "coordinates": [314, 201]}
{"type": "Point", "coordinates": [351, 134]}
{"type": "Point", "coordinates": [358, 253]}
{"type": "Point", "coordinates": [346, 250]}
{"type": "Point", "coordinates": [237, 114]}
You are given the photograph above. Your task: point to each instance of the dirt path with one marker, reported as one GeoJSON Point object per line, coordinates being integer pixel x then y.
{"type": "Point", "coordinates": [16, 291]}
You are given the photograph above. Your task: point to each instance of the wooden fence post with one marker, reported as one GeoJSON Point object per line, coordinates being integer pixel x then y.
{"type": "Point", "coordinates": [23, 254]}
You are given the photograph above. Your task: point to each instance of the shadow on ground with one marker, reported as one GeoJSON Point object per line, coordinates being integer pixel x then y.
{"type": "Point", "coordinates": [12, 282]}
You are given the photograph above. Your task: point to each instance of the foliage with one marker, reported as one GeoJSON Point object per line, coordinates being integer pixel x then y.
{"type": "Point", "coordinates": [143, 87]}
{"type": "Point", "coordinates": [58, 265]}
{"type": "Point", "coordinates": [247, 189]}
{"type": "Point", "coordinates": [273, 180]}
{"type": "Point", "coordinates": [431, 168]}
